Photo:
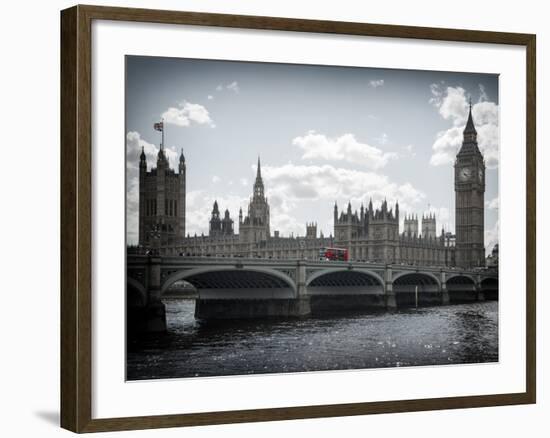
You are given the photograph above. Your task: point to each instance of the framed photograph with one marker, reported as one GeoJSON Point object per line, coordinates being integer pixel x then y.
{"type": "Point", "coordinates": [303, 218]}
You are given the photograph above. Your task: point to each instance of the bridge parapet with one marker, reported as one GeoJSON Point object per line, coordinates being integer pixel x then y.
{"type": "Point", "coordinates": [297, 281]}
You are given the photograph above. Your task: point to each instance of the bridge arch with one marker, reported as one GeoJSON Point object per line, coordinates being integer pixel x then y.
{"type": "Point", "coordinates": [450, 276]}
{"type": "Point", "coordinates": [409, 287]}
{"type": "Point", "coordinates": [136, 306]}
{"type": "Point", "coordinates": [462, 288]}
{"type": "Point", "coordinates": [341, 289]}
{"type": "Point", "coordinates": [416, 279]}
{"type": "Point", "coordinates": [229, 281]}
{"type": "Point", "coordinates": [354, 277]}
{"type": "Point", "coordinates": [136, 294]}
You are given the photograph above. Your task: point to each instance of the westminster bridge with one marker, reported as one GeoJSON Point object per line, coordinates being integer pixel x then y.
{"type": "Point", "coordinates": [248, 288]}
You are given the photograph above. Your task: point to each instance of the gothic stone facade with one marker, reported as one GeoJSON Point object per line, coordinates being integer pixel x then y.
{"type": "Point", "coordinates": [161, 202]}
{"type": "Point", "coordinates": [373, 235]}
{"type": "Point", "coordinates": [254, 238]}
{"type": "Point", "coordinates": [369, 235]}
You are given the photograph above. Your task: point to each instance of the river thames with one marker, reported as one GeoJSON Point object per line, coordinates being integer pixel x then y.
{"type": "Point", "coordinates": [455, 334]}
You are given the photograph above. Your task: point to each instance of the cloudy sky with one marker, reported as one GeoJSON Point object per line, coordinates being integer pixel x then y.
{"type": "Point", "coordinates": [324, 134]}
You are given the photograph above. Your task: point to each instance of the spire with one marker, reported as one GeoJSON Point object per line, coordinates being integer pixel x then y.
{"type": "Point", "coordinates": [258, 184]}
{"type": "Point", "coordinates": [181, 166]}
{"type": "Point", "coordinates": [470, 127]}
{"type": "Point", "coordinates": [258, 171]}
{"type": "Point", "coordinates": [142, 161]}
{"type": "Point", "coordinates": [215, 208]}
{"type": "Point", "coordinates": [469, 142]}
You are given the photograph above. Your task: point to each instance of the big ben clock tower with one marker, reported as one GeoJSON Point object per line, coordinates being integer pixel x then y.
{"type": "Point", "coordinates": [470, 198]}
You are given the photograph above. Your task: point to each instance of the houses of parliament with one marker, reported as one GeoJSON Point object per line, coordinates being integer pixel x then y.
{"type": "Point", "coordinates": [369, 234]}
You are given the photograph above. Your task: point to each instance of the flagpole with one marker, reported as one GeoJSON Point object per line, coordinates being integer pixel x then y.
{"type": "Point", "coordinates": [162, 126]}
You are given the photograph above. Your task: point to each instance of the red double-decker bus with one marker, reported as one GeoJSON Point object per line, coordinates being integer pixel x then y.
{"type": "Point", "coordinates": [333, 254]}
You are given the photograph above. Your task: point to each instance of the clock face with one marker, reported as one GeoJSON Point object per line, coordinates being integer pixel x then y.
{"type": "Point", "coordinates": [465, 174]}
{"type": "Point", "coordinates": [480, 175]}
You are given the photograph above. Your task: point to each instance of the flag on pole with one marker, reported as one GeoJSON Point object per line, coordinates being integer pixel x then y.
{"type": "Point", "coordinates": [159, 126]}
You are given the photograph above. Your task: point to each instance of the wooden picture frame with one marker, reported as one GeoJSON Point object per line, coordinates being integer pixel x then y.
{"type": "Point", "coordinates": [76, 217]}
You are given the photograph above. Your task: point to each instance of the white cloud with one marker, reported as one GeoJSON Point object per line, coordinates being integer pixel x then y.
{"type": "Point", "coordinates": [452, 105]}
{"type": "Point", "coordinates": [446, 146]}
{"type": "Point", "coordinates": [233, 86]}
{"type": "Point", "coordinates": [437, 94]}
{"type": "Point", "coordinates": [299, 182]}
{"type": "Point", "coordinates": [186, 114]}
{"type": "Point", "coordinates": [210, 97]}
{"type": "Point", "coordinates": [243, 181]}
{"type": "Point", "coordinates": [376, 83]}
{"type": "Point", "coordinates": [482, 94]}
{"type": "Point", "coordinates": [216, 179]}
{"type": "Point", "coordinates": [492, 204]}
{"type": "Point", "coordinates": [343, 148]}
{"type": "Point", "coordinates": [287, 225]}
{"type": "Point", "coordinates": [290, 186]}
{"type": "Point", "coordinates": [134, 145]}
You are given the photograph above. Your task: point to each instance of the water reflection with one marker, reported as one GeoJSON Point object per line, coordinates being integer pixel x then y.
{"type": "Point", "coordinates": [466, 333]}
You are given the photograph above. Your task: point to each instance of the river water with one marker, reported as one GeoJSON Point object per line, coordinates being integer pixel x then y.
{"type": "Point", "coordinates": [455, 334]}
